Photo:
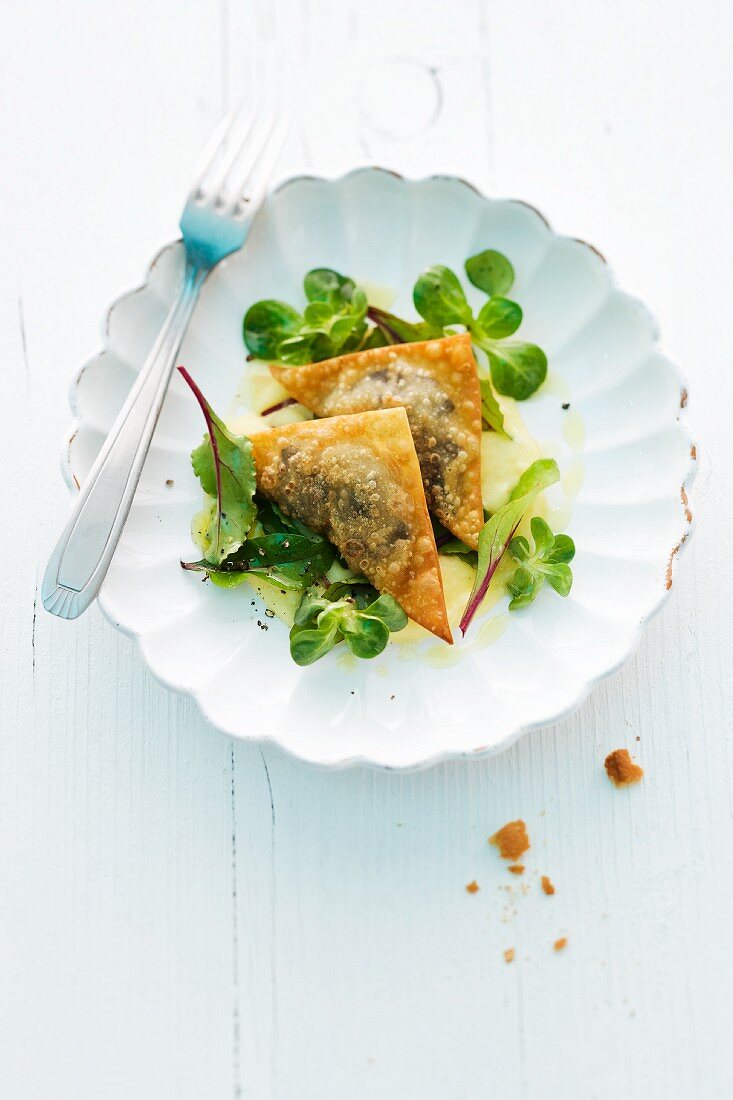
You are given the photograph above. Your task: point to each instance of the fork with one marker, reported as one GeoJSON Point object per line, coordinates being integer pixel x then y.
{"type": "Point", "coordinates": [216, 220]}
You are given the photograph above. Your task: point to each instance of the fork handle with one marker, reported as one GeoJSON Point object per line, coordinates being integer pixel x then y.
{"type": "Point", "coordinates": [82, 555]}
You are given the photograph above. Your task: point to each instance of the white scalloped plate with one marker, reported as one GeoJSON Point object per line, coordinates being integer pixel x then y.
{"type": "Point", "coordinates": [630, 517]}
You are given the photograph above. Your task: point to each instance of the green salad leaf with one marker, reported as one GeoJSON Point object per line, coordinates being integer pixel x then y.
{"type": "Point", "coordinates": [309, 644]}
{"type": "Point", "coordinates": [225, 467]}
{"type": "Point", "coordinates": [491, 272]}
{"type": "Point", "coordinates": [517, 369]}
{"type": "Point", "coordinates": [350, 611]}
{"type": "Point", "coordinates": [440, 298]}
{"type": "Point", "coordinates": [540, 475]}
{"type": "Point", "coordinates": [332, 322]}
{"type": "Point", "coordinates": [498, 531]}
{"type": "Point", "coordinates": [323, 284]}
{"type": "Point", "coordinates": [267, 324]}
{"type": "Point", "coordinates": [500, 317]}
{"type": "Point", "coordinates": [457, 549]}
{"type": "Point", "coordinates": [491, 412]}
{"type": "Point", "coordinates": [548, 561]}
{"type": "Point", "coordinates": [292, 560]}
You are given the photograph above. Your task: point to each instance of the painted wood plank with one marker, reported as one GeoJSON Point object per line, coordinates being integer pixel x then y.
{"type": "Point", "coordinates": [116, 906]}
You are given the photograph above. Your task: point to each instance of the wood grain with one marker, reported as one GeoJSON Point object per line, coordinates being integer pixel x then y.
{"type": "Point", "coordinates": [182, 916]}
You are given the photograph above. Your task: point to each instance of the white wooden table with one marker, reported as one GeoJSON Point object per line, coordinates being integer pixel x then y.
{"type": "Point", "coordinates": [186, 918]}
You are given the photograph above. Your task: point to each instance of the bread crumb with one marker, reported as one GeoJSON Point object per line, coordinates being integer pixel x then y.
{"type": "Point", "coordinates": [621, 769]}
{"type": "Point", "coordinates": [509, 955]}
{"type": "Point", "coordinates": [561, 944]}
{"type": "Point", "coordinates": [547, 885]}
{"type": "Point", "coordinates": [511, 840]}
{"type": "Point", "coordinates": [472, 887]}
{"type": "Point", "coordinates": [516, 868]}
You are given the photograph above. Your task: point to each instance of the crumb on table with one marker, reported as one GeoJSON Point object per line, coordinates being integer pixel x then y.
{"type": "Point", "coordinates": [509, 955]}
{"type": "Point", "coordinates": [621, 769]}
{"type": "Point", "coordinates": [472, 887]}
{"type": "Point", "coordinates": [561, 944]}
{"type": "Point", "coordinates": [511, 840]}
{"type": "Point", "coordinates": [547, 885]}
{"type": "Point", "coordinates": [516, 868]}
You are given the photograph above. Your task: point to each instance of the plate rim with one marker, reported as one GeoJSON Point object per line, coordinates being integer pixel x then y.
{"type": "Point", "coordinates": [363, 760]}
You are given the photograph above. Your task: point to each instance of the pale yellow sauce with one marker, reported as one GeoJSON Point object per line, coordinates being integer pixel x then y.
{"type": "Point", "coordinates": [573, 430]}
{"type": "Point", "coordinates": [346, 660]}
{"type": "Point", "coordinates": [554, 385]}
{"type": "Point", "coordinates": [503, 460]}
{"type": "Point", "coordinates": [485, 634]}
{"type": "Point", "coordinates": [283, 603]}
{"type": "Point", "coordinates": [571, 483]}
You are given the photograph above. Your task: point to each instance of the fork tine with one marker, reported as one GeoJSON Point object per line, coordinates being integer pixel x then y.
{"type": "Point", "coordinates": [238, 138]}
{"type": "Point", "coordinates": [248, 164]}
{"type": "Point", "coordinates": [211, 152]}
{"type": "Point", "coordinates": [257, 182]}
{"type": "Point", "coordinates": [244, 158]}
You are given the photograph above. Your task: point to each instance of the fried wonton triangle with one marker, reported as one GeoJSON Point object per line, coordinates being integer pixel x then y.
{"type": "Point", "coordinates": [356, 480]}
{"type": "Point", "coordinates": [436, 381]}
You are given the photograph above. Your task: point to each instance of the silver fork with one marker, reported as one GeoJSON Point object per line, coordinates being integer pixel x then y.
{"type": "Point", "coordinates": [215, 222]}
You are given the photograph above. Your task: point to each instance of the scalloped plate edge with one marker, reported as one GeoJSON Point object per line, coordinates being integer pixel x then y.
{"type": "Point", "coordinates": [687, 520]}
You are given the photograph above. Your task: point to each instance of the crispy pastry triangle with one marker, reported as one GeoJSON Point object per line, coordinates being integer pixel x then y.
{"type": "Point", "coordinates": [436, 381]}
{"type": "Point", "coordinates": [356, 480]}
